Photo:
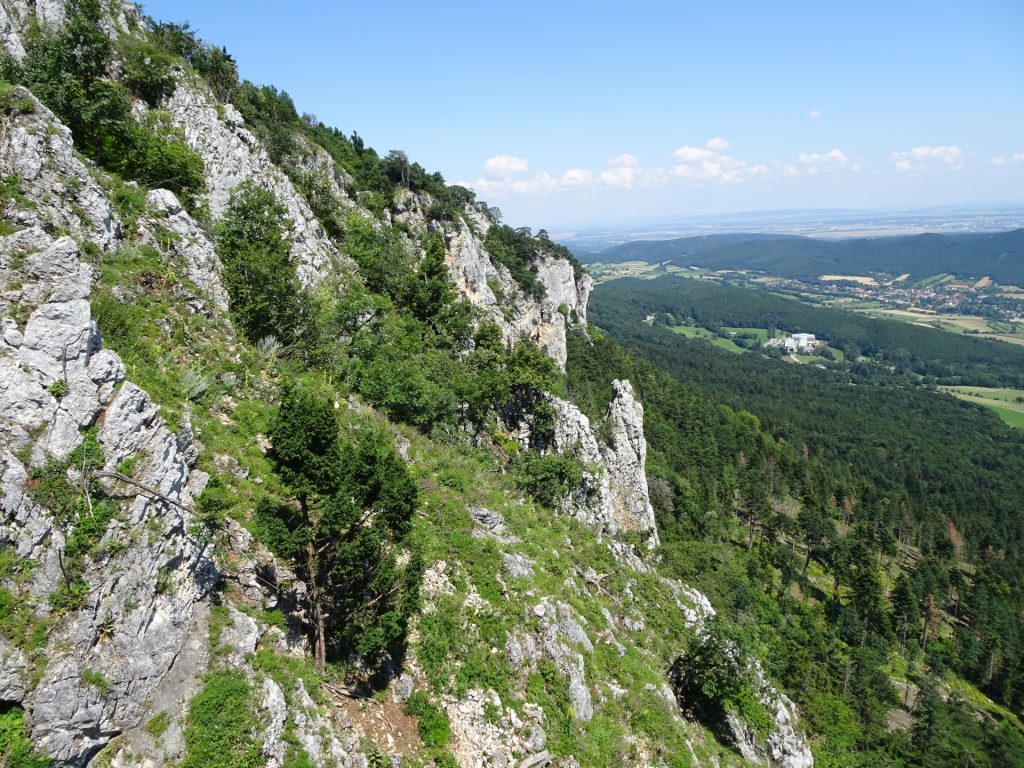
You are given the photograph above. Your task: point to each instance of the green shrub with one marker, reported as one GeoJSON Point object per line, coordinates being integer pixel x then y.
{"type": "Point", "coordinates": [96, 680]}
{"type": "Point", "coordinates": [548, 479]}
{"type": "Point", "coordinates": [67, 71]}
{"type": "Point", "coordinates": [253, 245]}
{"type": "Point", "coordinates": [219, 730]}
{"type": "Point", "coordinates": [147, 72]}
{"type": "Point", "coordinates": [15, 747]}
{"type": "Point", "coordinates": [433, 725]}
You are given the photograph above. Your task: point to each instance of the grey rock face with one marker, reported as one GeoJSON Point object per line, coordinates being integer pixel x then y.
{"type": "Point", "coordinates": [187, 241]}
{"type": "Point", "coordinates": [518, 566]}
{"type": "Point", "coordinates": [476, 742]}
{"type": "Point", "coordinates": [317, 734]}
{"type": "Point", "coordinates": [233, 155]}
{"type": "Point", "coordinates": [108, 657]}
{"type": "Point", "coordinates": [275, 711]}
{"type": "Point", "coordinates": [477, 278]}
{"type": "Point", "coordinates": [38, 150]}
{"type": "Point", "coordinates": [13, 672]}
{"type": "Point", "coordinates": [561, 637]}
{"type": "Point", "coordinates": [16, 16]}
{"type": "Point", "coordinates": [402, 689]}
{"type": "Point", "coordinates": [625, 456]}
{"type": "Point", "coordinates": [140, 604]}
{"type": "Point", "coordinates": [55, 348]}
{"type": "Point", "coordinates": [614, 495]}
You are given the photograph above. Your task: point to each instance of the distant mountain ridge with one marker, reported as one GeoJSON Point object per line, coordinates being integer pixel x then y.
{"type": "Point", "coordinates": [1000, 255]}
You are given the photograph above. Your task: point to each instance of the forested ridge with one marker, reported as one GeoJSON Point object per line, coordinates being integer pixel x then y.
{"type": "Point", "coordinates": [907, 500]}
{"type": "Point", "coordinates": [940, 357]}
{"type": "Point", "coordinates": [964, 255]}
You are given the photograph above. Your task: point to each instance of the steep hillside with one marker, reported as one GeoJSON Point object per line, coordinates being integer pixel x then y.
{"type": "Point", "coordinates": [290, 477]}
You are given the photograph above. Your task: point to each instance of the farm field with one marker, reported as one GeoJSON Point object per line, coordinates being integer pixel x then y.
{"type": "Point", "coordinates": [602, 273]}
{"type": "Point", "coordinates": [1003, 330]}
{"type": "Point", "coordinates": [1007, 403]}
{"type": "Point", "coordinates": [761, 333]}
{"type": "Point", "coordinates": [692, 332]}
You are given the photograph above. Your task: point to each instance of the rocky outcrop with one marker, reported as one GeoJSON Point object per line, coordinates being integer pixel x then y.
{"type": "Point", "coordinates": [625, 456]}
{"type": "Point", "coordinates": [783, 747]}
{"type": "Point", "coordinates": [490, 286]}
{"type": "Point", "coordinates": [614, 495]}
{"type": "Point", "coordinates": [479, 742]}
{"type": "Point", "coordinates": [16, 16]}
{"type": "Point", "coordinates": [57, 192]}
{"type": "Point", "coordinates": [560, 637]}
{"type": "Point", "coordinates": [232, 155]}
{"type": "Point", "coordinates": [105, 657]}
{"type": "Point", "coordinates": [171, 228]}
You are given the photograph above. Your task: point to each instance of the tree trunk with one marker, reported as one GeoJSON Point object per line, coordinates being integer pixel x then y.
{"type": "Point", "coordinates": [319, 643]}
{"type": "Point", "coordinates": [315, 602]}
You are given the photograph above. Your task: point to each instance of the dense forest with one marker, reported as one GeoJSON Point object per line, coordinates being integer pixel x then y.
{"type": "Point", "coordinates": [859, 526]}
{"type": "Point", "coordinates": [965, 255]}
{"type": "Point", "coordinates": [939, 357]}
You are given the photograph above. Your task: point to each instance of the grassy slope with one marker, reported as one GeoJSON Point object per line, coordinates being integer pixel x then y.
{"type": "Point", "coordinates": [232, 410]}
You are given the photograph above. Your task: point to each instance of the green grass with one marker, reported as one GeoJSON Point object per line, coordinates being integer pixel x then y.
{"type": "Point", "coordinates": [157, 725]}
{"type": "Point", "coordinates": [1001, 400]}
{"type": "Point", "coordinates": [692, 332]}
{"type": "Point", "coordinates": [761, 333]}
{"type": "Point", "coordinates": [15, 747]}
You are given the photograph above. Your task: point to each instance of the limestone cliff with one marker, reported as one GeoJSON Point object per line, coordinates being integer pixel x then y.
{"type": "Point", "coordinates": [121, 631]}
{"type": "Point", "coordinates": [107, 654]}
{"type": "Point", "coordinates": [490, 286]}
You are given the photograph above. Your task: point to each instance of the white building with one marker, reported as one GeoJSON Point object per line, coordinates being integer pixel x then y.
{"type": "Point", "coordinates": [804, 343]}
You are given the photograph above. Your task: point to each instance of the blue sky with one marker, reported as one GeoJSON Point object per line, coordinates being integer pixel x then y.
{"type": "Point", "coordinates": [568, 112]}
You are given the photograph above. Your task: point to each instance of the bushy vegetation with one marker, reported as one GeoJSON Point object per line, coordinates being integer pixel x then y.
{"type": "Point", "coordinates": [253, 244]}
{"type": "Point", "coordinates": [432, 723]}
{"type": "Point", "coordinates": [520, 252]}
{"type": "Point", "coordinates": [68, 69]}
{"type": "Point", "coordinates": [15, 746]}
{"type": "Point", "coordinates": [355, 503]}
{"type": "Point", "coordinates": [83, 512]}
{"type": "Point", "coordinates": [220, 731]}
{"type": "Point", "coordinates": [551, 479]}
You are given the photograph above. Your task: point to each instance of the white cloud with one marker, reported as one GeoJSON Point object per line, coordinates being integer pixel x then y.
{"type": "Point", "coordinates": [622, 171]}
{"type": "Point", "coordinates": [814, 114]}
{"type": "Point", "coordinates": [503, 166]}
{"type": "Point", "coordinates": [925, 158]}
{"type": "Point", "coordinates": [1016, 157]}
{"type": "Point", "coordinates": [625, 160]}
{"type": "Point", "coordinates": [832, 161]}
{"type": "Point", "coordinates": [576, 177]}
{"type": "Point", "coordinates": [505, 176]}
{"type": "Point", "coordinates": [711, 163]}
